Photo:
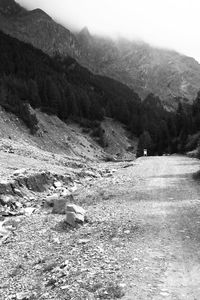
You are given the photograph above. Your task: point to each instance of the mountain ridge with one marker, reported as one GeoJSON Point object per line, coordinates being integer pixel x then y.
{"type": "Point", "coordinates": [146, 69]}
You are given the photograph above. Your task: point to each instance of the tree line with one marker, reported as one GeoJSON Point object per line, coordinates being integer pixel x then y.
{"type": "Point", "coordinates": [62, 87]}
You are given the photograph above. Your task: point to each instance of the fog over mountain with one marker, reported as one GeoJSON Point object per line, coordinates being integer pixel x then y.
{"type": "Point", "coordinates": [144, 68]}
{"type": "Point", "coordinates": [167, 23]}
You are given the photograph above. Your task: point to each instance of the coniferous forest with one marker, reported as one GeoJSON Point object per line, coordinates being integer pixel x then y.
{"type": "Point", "coordinates": [64, 88]}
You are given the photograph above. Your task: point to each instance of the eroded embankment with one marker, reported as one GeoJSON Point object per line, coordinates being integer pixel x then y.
{"type": "Point", "coordinates": [37, 182]}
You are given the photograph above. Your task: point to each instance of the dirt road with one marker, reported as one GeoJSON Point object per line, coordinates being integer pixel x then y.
{"type": "Point", "coordinates": [163, 258]}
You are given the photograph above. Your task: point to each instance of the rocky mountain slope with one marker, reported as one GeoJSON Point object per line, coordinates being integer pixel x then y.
{"type": "Point", "coordinates": [37, 28]}
{"type": "Point", "coordinates": [166, 73]}
{"type": "Point", "coordinates": [146, 69]}
{"type": "Point", "coordinates": [55, 137]}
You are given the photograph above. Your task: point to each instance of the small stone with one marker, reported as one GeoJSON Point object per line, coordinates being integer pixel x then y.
{"type": "Point", "coordinates": [57, 184]}
{"type": "Point", "coordinates": [45, 295]}
{"type": "Point", "coordinates": [83, 241]}
{"type": "Point", "coordinates": [122, 285]}
{"type": "Point", "coordinates": [23, 296]}
{"type": "Point", "coordinates": [73, 189]}
{"type": "Point", "coordinates": [56, 240]}
{"type": "Point", "coordinates": [135, 259]}
{"type": "Point", "coordinates": [18, 192]}
{"type": "Point", "coordinates": [19, 172]}
{"type": "Point", "coordinates": [65, 193]}
{"type": "Point", "coordinates": [29, 210]}
{"type": "Point", "coordinates": [18, 204]}
{"type": "Point", "coordinates": [164, 294]}
{"type": "Point", "coordinates": [64, 287]}
{"type": "Point", "coordinates": [64, 264]}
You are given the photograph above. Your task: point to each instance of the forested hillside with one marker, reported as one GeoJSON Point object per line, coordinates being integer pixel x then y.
{"type": "Point", "coordinates": [64, 88]}
{"type": "Point", "coordinates": [144, 68]}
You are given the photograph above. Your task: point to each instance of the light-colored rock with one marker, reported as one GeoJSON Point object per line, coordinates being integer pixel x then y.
{"type": "Point", "coordinates": [59, 205]}
{"type": "Point", "coordinates": [74, 188]}
{"type": "Point", "coordinates": [23, 296]}
{"type": "Point", "coordinates": [65, 287]}
{"type": "Point", "coordinates": [83, 241]}
{"type": "Point", "coordinates": [80, 218]}
{"type": "Point", "coordinates": [56, 240]}
{"type": "Point", "coordinates": [74, 214]}
{"type": "Point", "coordinates": [73, 218]}
{"type": "Point", "coordinates": [6, 199]}
{"type": "Point", "coordinates": [75, 208]}
{"type": "Point", "coordinates": [18, 204]}
{"type": "Point", "coordinates": [3, 230]}
{"type": "Point", "coordinates": [49, 201]}
{"type": "Point", "coordinates": [19, 172]}
{"type": "Point", "coordinates": [91, 174]}
{"type": "Point", "coordinates": [29, 210]}
{"type": "Point", "coordinates": [57, 184]}
{"type": "Point", "coordinates": [65, 193]}
{"type": "Point", "coordinates": [18, 192]}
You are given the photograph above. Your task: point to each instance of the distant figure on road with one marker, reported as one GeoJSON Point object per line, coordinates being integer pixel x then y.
{"type": "Point", "coordinates": [145, 152]}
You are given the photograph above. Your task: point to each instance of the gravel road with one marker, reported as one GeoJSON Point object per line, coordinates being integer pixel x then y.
{"type": "Point", "coordinates": [162, 261]}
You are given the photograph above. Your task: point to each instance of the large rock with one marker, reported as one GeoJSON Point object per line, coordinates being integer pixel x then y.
{"type": "Point", "coordinates": [75, 208]}
{"type": "Point", "coordinates": [59, 205]}
{"type": "Point", "coordinates": [49, 201]}
{"type": "Point", "coordinates": [74, 215]}
{"type": "Point", "coordinates": [73, 218]}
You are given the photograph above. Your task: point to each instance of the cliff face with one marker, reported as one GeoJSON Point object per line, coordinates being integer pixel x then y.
{"type": "Point", "coordinates": [165, 73]}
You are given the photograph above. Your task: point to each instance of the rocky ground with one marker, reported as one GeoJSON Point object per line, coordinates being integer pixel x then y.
{"type": "Point", "coordinates": [41, 256]}
{"type": "Point", "coordinates": [140, 239]}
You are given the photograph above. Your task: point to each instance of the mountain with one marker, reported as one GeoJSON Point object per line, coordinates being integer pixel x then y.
{"type": "Point", "coordinates": [37, 28]}
{"type": "Point", "coordinates": [60, 86]}
{"type": "Point", "coordinates": [146, 69]}
{"type": "Point", "coordinates": [10, 8]}
{"type": "Point", "coordinates": [31, 79]}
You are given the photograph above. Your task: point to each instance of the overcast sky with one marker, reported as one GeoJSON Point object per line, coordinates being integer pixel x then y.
{"type": "Point", "coordinates": [173, 24]}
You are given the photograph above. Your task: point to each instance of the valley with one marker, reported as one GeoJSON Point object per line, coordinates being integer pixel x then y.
{"type": "Point", "coordinates": [99, 164]}
{"type": "Point", "coordinates": [140, 240]}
